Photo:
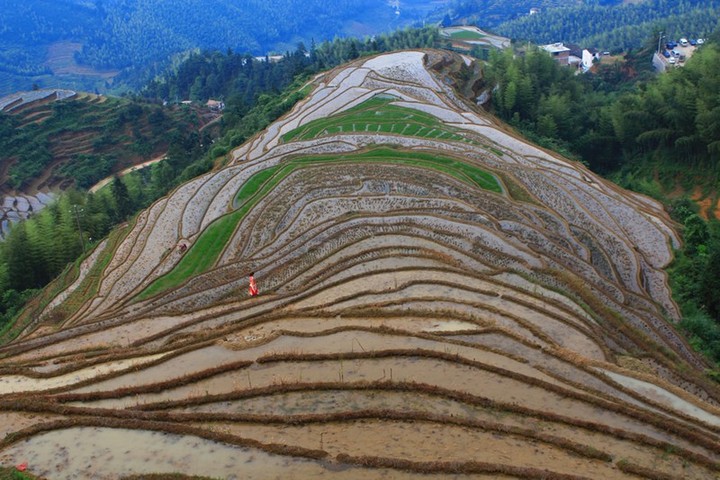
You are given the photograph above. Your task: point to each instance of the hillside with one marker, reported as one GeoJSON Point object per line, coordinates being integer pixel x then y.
{"type": "Point", "coordinates": [106, 45]}
{"type": "Point", "coordinates": [52, 140]}
{"type": "Point", "coordinates": [618, 28]}
{"type": "Point", "coordinates": [437, 296]}
{"type": "Point", "coordinates": [618, 25]}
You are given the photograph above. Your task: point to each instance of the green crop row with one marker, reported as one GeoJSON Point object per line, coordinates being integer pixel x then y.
{"type": "Point", "coordinates": [376, 115]}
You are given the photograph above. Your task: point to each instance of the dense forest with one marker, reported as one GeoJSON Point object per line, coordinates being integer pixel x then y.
{"type": "Point", "coordinates": [26, 26]}
{"type": "Point", "coordinates": [491, 13]}
{"type": "Point", "coordinates": [616, 27]}
{"type": "Point", "coordinates": [673, 117]}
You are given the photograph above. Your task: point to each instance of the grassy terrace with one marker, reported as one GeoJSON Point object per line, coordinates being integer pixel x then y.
{"type": "Point", "coordinates": [377, 116]}
{"type": "Point", "coordinates": [466, 35]}
{"type": "Point", "coordinates": [205, 252]}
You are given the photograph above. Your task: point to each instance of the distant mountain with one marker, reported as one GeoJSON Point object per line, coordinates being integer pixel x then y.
{"type": "Point", "coordinates": [490, 13]}
{"type": "Point", "coordinates": [86, 43]}
{"type": "Point", "coordinates": [616, 27]}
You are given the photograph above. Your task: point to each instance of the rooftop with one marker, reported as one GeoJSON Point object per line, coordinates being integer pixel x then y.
{"type": "Point", "coordinates": [555, 48]}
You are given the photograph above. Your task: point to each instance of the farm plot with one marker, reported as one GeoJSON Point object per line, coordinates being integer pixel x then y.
{"type": "Point", "coordinates": [438, 298]}
{"type": "Point", "coordinates": [210, 244]}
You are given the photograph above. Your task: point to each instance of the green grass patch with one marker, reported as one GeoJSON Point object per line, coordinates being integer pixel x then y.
{"type": "Point", "coordinates": [377, 115]}
{"type": "Point", "coordinates": [496, 151]}
{"type": "Point", "coordinates": [466, 35]}
{"type": "Point", "coordinates": [205, 252]}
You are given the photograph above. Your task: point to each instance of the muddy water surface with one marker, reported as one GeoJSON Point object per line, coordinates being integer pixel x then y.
{"type": "Point", "coordinates": [662, 396]}
{"type": "Point", "coordinates": [22, 383]}
{"type": "Point", "coordinates": [121, 336]}
{"type": "Point", "coordinates": [424, 441]}
{"type": "Point", "coordinates": [335, 401]}
{"type": "Point", "coordinates": [413, 369]}
{"type": "Point", "coordinates": [106, 453]}
{"type": "Point", "coordinates": [346, 341]}
{"type": "Point", "coordinates": [310, 324]}
{"type": "Point", "coordinates": [13, 421]}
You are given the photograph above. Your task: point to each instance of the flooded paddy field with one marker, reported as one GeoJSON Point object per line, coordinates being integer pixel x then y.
{"type": "Point", "coordinates": [438, 299]}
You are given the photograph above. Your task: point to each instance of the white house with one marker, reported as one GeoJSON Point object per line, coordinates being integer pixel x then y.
{"type": "Point", "coordinates": [588, 56]}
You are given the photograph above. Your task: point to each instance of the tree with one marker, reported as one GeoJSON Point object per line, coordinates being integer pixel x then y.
{"type": "Point", "coordinates": [546, 126]}
{"type": "Point", "coordinates": [696, 233]}
{"type": "Point", "coordinates": [710, 284]}
{"type": "Point", "coordinates": [121, 196]}
{"type": "Point", "coordinates": [20, 260]}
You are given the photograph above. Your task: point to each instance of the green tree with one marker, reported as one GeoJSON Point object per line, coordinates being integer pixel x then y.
{"type": "Point", "coordinates": [710, 284]}
{"type": "Point", "coordinates": [121, 197]}
{"type": "Point", "coordinates": [21, 259]}
{"type": "Point", "coordinates": [546, 126]}
{"type": "Point", "coordinates": [696, 234]}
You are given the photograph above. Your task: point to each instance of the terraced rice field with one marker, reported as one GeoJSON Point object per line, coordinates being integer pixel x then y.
{"type": "Point", "coordinates": [437, 297]}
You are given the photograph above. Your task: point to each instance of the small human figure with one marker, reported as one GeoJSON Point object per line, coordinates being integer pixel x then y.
{"type": "Point", "coordinates": [253, 289]}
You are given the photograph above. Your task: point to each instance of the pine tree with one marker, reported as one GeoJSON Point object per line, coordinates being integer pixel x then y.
{"type": "Point", "coordinates": [121, 196]}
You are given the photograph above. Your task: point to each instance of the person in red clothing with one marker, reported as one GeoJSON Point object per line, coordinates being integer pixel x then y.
{"type": "Point", "coordinates": [253, 289]}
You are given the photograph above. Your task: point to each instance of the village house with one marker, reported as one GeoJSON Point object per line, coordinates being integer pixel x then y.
{"type": "Point", "coordinates": [215, 105]}
{"type": "Point", "coordinates": [589, 55]}
{"type": "Point", "coordinates": [559, 52]}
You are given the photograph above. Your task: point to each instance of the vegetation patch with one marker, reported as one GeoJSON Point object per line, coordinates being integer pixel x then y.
{"type": "Point", "coordinates": [85, 140]}
{"type": "Point", "coordinates": [466, 35]}
{"type": "Point", "coordinates": [377, 115]}
{"type": "Point", "coordinates": [12, 473]}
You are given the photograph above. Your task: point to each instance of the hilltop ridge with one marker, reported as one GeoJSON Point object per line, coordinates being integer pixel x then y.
{"type": "Point", "coordinates": [438, 296]}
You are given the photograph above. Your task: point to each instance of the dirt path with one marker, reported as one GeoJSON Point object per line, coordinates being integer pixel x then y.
{"type": "Point", "coordinates": [122, 173]}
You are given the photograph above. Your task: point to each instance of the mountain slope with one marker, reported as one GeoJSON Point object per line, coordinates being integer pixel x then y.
{"type": "Point", "coordinates": [617, 27]}
{"type": "Point", "coordinates": [91, 44]}
{"type": "Point", "coordinates": [53, 140]}
{"type": "Point", "coordinates": [437, 296]}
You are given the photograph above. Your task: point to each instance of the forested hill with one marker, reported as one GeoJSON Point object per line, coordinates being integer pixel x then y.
{"type": "Point", "coordinates": [111, 35]}
{"type": "Point", "coordinates": [616, 27]}
{"type": "Point", "coordinates": [490, 13]}
{"type": "Point", "coordinates": [134, 32]}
